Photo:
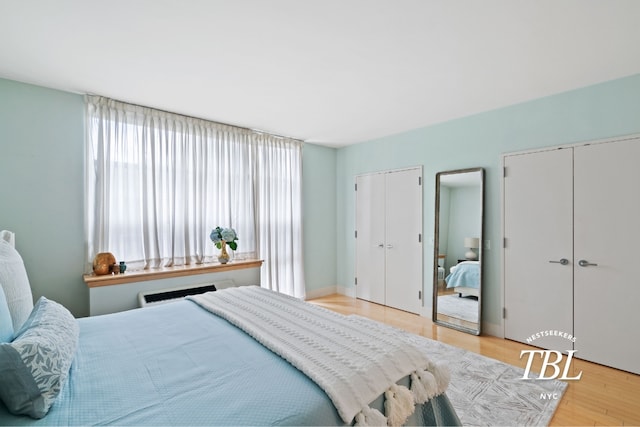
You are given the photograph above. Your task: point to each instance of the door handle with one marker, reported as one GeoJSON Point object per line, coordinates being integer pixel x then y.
{"type": "Point", "coordinates": [562, 261]}
{"type": "Point", "coordinates": [585, 263]}
{"type": "Point", "coordinates": [381, 245]}
{"type": "Point", "coordinates": [389, 246]}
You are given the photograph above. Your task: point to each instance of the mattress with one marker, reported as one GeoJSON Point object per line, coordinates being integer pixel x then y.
{"type": "Point", "coordinates": [177, 364]}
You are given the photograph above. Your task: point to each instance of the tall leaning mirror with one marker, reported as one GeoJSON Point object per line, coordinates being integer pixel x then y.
{"type": "Point", "coordinates": [457, 272]}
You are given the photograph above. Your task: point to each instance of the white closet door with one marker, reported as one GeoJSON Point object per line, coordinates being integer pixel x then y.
{"type": "Point", "coordinates": [403, 240]}
{"type": "Point", "coordinates": [607, 214]}
{"type": "Point", "coordinates": [538, 227]}
{"type": "Point", "coordinates": [370, 242]}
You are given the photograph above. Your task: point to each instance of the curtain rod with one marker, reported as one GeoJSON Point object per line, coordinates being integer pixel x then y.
{"type": "Point", "coordinates": [199, 118]}
{"type": "Point", "coordinates": [274, 134]}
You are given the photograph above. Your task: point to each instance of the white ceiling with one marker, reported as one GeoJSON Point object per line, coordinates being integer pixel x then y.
{"type": "Point", "coordinates": [333, 72]}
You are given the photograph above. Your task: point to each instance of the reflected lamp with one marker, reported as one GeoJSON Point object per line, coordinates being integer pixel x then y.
{"type": "Point", "coordinates": [471, 243]}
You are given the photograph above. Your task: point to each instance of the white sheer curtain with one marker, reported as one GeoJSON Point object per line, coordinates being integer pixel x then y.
{"type": "Point", "coordinates": [158, 183]}
{"type": "Point", "coordinates": [278, 213]}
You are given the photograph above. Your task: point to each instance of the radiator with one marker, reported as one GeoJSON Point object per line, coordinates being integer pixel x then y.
{"type": "Point", "coordinates": [440, 273]}
{"type": "Point", "coordinates": [163, 296]}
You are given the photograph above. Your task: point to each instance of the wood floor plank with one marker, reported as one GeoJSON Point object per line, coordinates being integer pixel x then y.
{"type": "Point", "coordinates": [603, 395]}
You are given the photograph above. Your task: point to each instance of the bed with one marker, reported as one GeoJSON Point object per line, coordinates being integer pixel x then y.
{"type": "Point", "coordinates": [464, 278]}
{"type": "Point", "coordinates": [184, 364]}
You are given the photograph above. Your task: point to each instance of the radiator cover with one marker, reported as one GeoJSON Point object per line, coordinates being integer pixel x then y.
{"type": "Point", "coordinates": [163, 296]}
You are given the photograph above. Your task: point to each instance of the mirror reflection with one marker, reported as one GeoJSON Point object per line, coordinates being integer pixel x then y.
{"type": "Point", "coordinates": [457, 294]}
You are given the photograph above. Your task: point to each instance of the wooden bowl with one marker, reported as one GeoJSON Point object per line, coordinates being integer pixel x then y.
{"type": "Point", "coordinates": [102, 263]}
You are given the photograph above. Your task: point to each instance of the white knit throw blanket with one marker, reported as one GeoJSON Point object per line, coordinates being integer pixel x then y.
{"type": "Point", "coordinates": [354, 360]}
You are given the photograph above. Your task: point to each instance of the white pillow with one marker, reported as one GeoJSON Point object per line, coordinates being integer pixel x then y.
{"type": "Point", "coordinates": [6, 324]}
{"type": "Point", "coordinates": [15, 283]}
{"type": "Point", "coordinates": [9, 237]}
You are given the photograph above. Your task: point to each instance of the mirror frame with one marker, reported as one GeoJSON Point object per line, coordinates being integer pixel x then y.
{"type": "Point", "coordinates": [436, 245]}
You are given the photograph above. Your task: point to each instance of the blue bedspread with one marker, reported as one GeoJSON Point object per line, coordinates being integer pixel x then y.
{"type": "Point", "coordinates": [177, 364]}
{"type": "Point", "coordinates": [465, 274]}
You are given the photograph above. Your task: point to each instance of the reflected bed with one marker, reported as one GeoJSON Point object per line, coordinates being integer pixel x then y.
{"type": "Point", "coordinates": [465, 278]}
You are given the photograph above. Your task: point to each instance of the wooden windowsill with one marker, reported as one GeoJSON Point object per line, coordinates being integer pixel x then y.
{"type": "Point", "coordinates": [94, 281]}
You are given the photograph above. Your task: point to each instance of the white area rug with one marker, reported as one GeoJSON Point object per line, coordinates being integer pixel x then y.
{"type": "Point", "coordinates": [487, 392]}
{"type": "Point", "coordinates": [460, 308]}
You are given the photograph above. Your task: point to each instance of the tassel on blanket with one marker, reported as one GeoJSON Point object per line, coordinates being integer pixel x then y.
{"type": "Point", "coordinates": [442, 375]}
{"type": "Point", "coordinates": [423, 385]}
{"type": "Point", "coordinates": [429, 382]}
{"type": "Point", "coordinates": [398, 404]}
{"type": "Point", "coordinates": [370, 417]}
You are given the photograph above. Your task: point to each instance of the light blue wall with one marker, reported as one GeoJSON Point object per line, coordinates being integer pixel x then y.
{"type": "Point", "coordinates": [41, 177]}
{"type": "Point", "coordinates": [464, 221]}
{"type": "Point", "coordinates": [41, 188]}
{"type": "Point", "coordinates": [42, 194]}
{"type": "Point", "coordinates": [596, 112]}
{"type": "Point", "coordinates": [443, 223]}
{"type": "Point", "coordinates": [319, 217]}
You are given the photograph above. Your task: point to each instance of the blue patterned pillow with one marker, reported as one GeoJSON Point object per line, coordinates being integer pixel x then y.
{"type": "Point", "coordinates": [6, 324]}
{"type": "Point", "coordinates": [35, 366]}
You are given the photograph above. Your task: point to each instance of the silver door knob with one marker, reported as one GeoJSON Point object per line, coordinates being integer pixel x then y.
{"type": "Point", "coordinates": [389, 246]}
{"type": "Point", "coordinates": [585, 263]}
{"type": "Point", "coordinates": [562, 261]}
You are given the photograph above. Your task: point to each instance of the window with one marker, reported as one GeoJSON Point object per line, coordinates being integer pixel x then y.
{"type": "Point", "coordinates": [158, 183]}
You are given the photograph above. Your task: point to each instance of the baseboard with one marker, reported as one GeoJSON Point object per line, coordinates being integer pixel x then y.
{"type": "Point", "coordinates": [426, 311]}
{"type": "Point", "coordinates": [322, 292]}
{"type": "Point", "coordinates": [495, 330]}
{"type": "Point", "coordinates": [349, 291]}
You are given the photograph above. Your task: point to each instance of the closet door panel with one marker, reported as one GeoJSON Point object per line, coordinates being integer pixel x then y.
{"type": "Point", "coordinates": [607, 212]}
{"type": "Point", "coordinates": [370, 242]}
{"type": "Point", "coordinates": [403, 246]}
{"type": "Point", "coordinates": [538, 227]}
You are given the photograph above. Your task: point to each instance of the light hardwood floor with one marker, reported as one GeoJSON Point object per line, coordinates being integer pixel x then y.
{"type": "Point", "coordinates": [603, 396]}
